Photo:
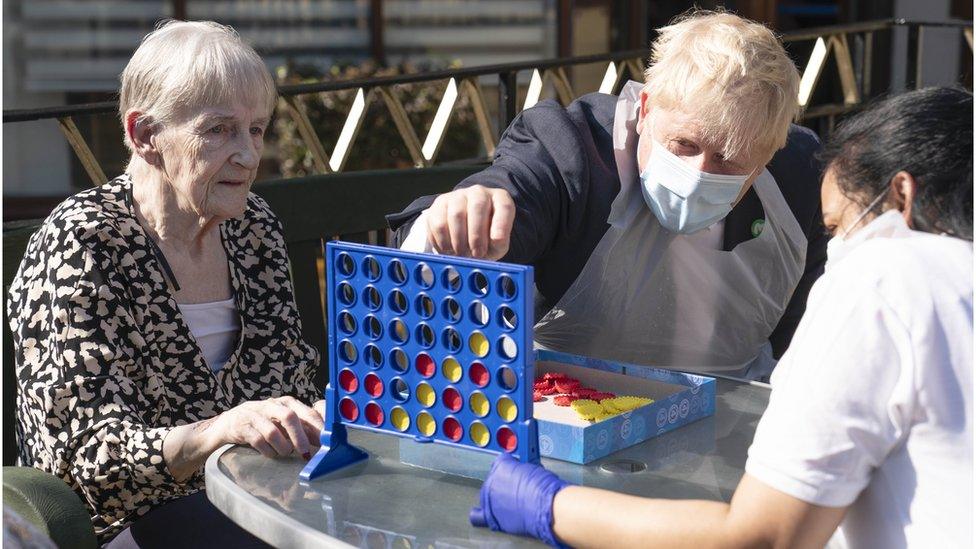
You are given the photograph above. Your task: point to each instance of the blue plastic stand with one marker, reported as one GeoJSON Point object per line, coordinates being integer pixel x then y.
{"type": "Point", "coordinates": [335, 451]}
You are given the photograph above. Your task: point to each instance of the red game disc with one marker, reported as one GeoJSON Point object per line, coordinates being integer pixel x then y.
{"type": "Point", "coordinates": [452, 399]}
{"type": "Point", "coordinates": [566, 385]}
{"type": "Point", "coordinates": [374, 414]}
{"type": "Point", "coordinates": [348, 381]}
{"type": "Point", "coordinates": [425, 365]}
{"type": "Point", "coordinates": [537, 397]}
{"type": "Point", "coordinates": [479, 374]}
{"type": "Point", "coordinates": [507, 439]}
{"type": "Point", "coordinates": [564, 400]}
{"type": "Point", "coordinates": [373, 385]}
{"type": "Point", "coordinates": [602, 396]}
{"type": "Point", "coordinates": [348, 409]}
{"type": "Point", "coordinates": [452, 429]}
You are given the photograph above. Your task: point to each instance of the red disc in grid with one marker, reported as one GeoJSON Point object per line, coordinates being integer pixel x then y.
{"type": "Point", "coordinates": [373, 385]}
{"type": "Point", "coordinates": [479, 374]}
{"type": "Point", "coordinates": [425, 365]}
{"type": "Point", "coordinates": [348, 381]}
{"type": "Point", "coordinates": [348, 409]}
{"type": "Point", "coordinates": [452, 399]}
{"type": "Point", "coordinates": [452, 429]}
{"type": "Point", "coordinates": [374, 414]}
{"type": "Point", "coordinates": [507, 439]}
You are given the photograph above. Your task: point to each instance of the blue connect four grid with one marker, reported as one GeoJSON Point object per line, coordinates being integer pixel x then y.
{"type": "Point", "coordinates": [434, 348]}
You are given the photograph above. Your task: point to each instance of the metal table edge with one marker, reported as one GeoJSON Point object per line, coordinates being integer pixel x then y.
{"type": "Point", "coordinates": [250, 513]}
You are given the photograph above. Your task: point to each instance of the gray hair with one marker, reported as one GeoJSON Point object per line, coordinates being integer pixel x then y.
{"type": "Point", "coordinates": [184, 64]}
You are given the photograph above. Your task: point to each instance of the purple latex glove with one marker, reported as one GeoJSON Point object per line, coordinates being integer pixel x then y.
{"type": "Point", "coordinates": [517, 498]}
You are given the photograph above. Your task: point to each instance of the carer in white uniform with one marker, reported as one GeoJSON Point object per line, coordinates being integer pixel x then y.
{"type": "Point", "coordinates": [870, 422]}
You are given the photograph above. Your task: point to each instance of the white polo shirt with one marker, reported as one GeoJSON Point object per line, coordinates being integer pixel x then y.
{"type": "Point", "coordinates": [872, 405]}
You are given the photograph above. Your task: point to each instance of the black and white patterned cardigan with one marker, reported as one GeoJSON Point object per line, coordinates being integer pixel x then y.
{"type": "Point", "coordinates": [106, 366]}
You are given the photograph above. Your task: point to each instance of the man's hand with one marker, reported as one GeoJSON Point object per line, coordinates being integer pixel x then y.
{"type": "Point", "coordinates": [472, 222]}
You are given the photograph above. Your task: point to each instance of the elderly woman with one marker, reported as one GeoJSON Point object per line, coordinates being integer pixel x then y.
{"type": "Point", "coordinates": [153, 316]}
{"type": "Point", "coordinates": [675, 224]}
{"type": "Point", "coordinates": [870, 422]}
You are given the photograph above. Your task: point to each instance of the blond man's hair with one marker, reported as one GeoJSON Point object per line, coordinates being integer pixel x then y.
{"type": "Point", "coordinates": [182, 66]}
{"type": "Point", "coordinates": [732, 75]}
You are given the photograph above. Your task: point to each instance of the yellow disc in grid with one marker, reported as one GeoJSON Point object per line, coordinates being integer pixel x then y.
{"type": "Point", "coordinates": [479, 404]}
{"type": "Point", "coordinates": [426, 423]}
{"type": "Point", "coordinates": [401, 330]}
{"type": "Point", "coordinates": [507, 409]}
{"type": "Point", "coordinates": [479, 434]}
{"type": "Point", "coordinates": [452, 370]}
{"type": "Point", "coordinates": [478, 344]}
{"type": "Point", "coordinates": [426, 395]}
{"type": "Point", "coordinates": [400, 419]}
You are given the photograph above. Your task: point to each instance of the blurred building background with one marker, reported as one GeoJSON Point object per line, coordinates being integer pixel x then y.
{"type": "Point", "coordinates": [64, 52]}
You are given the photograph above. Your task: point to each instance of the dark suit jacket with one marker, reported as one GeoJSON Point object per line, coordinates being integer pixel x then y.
{"type": "Point", "coordinates": [558, 165]}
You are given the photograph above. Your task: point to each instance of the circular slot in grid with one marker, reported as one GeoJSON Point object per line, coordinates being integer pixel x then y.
{"type": "Point", "coordinates": [348, 381]}
{"type": "Point", "coordinates": [425, 365]}
{"type": "Point", "coordinates": [400, 419]}
{"type": "Point", "coordinates": [479, 374]}
{"type": "Point", "coordinates": [507, 409]}
{"type": "Point", "coordinates": [398, 331]}
{"type": "Point", "coordinates": [373, 356]}
{"type": "Point", "coordinates": [451, 280]}
{"type": "Point", "coordinates": [507, 288]}
{"type": "Point", "coordinates": [479, 313]}
{"type": "Point", "coordinates": [373, 327]}
{"type": "Point", "coordinates": [399, 360]}
{"type": "Point", "coordinates": [399, 390]}
{"type": "Point", "coordinates": [424, 275]}
{"type": "Point", "coordinates": [398, 302]}
{"type": "Point", "coordinates": [452, 429]}
{"type": "Point", "coordinates": [478, 283]}
{"type": "Point", "coordinates": [425, 306]}
{"type": "Point", "coordinates": [478, 344]}
{"type": "Point", "coordinates": [507, 347]}
{"type": "Point", "coordinates": [451, 339]}
{"type": "Point", "coordinates": [507, 318]}
{"type": "Point", "coordinates": [347, 351]}
{"type": "Point", "coordinates": [426, 395]}
{"type": "Point", "coordinates": [451, 309]}
{"type": "Point", "coordinates": [374, 414]}
{"type": "Point", "coordinates": [506, 438]}
{"type": "Point", "coordinates": [347, 323]}
{"type": "Point", "coordinates": [507, 379]}
{"type": "Point", "coordinates": [375, 539]}
{"type": "Point", "coordinates": [401, 542]}
{"type": "Point", "coordinates": [346, 294]}
{"type": "Point", "coordinates": [346, 265]}
{"type": "Point", "coordinates": [451, 399]}
{"type": "Point", "coordinates": [479, 434]}
{"type": "Point", "coordinates": [426, 424]}
{"type": "Point", "coordinates": [452, 370]}
{"type": "Point", "coordinates": [371, 268]}
{"type": "Point", "coordinates": [348, 409]}
{"type": "Point", "coordinates": [425, 335]}
{"type": "Point", "coordinates": [478, 403]}
{"type": "Point", "coordinates": [372, 299]}
{"type": "Point", "coordinates": [398, 273]}
{"type": "Point", "coordinates": [373, 385]}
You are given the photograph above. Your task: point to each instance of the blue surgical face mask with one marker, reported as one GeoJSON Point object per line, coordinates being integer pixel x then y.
{"type": "Point", "coordinates": [686, 200]}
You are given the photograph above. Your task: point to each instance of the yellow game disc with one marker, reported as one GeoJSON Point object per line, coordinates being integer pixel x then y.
{"type": "Point", "coordinates": [586, 408]}
{"type": "Point", "coordinates": [479, 404]}
{"type": "Point", "coordinates": [452, 370]}
{"type": "Point", "coordinates": [625, 403]}
{"type": "Point", "coordinates": [400, 329]}
{"type": "Point", "coordinates": [426, 424]}
{"type": "Point", "coordinates": [400, 419]}
{"type": "Point", "coordinates": [426, 394]}
{"type": "Point", "coordinates": [507, 409]}
{"type": "Point", "coordinates": [479, 434]}
{"type": "Point", "coordinates": [478, 344]}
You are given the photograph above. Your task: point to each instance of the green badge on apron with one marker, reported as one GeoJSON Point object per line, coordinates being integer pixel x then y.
{"type": "Point", "coordinates": [757, 227]}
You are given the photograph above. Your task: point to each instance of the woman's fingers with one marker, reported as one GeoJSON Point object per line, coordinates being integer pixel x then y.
{"type": "Point", "coordinates": [291, 425]}
{"type": "Point", "coordinates": [255, 440]}
{"type": "Point", "coordinates": [311, 420]}
{"type": "Point", "coordinates": [272, 434]}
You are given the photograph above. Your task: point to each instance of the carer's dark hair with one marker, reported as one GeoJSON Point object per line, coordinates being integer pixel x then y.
{"type": "Point", "coordinates": [927, 133]}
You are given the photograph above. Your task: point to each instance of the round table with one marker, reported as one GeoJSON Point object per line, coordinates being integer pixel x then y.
{"type": "Point", "coordinates": [409, 495]}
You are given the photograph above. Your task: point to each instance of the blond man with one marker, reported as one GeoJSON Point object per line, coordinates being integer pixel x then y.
{"type": "Point", "coordinates": [676, 224]}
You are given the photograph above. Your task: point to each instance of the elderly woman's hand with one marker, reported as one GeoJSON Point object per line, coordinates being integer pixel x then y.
{"type": "Point", "coordinates": [275, 427]}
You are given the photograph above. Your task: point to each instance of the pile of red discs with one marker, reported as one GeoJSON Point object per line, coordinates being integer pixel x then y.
{"type": "Point", "coordinates": [564, 389]}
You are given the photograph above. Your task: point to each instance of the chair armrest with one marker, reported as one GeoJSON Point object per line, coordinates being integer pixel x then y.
{"type": "Point", "coordinates": [50, 505]}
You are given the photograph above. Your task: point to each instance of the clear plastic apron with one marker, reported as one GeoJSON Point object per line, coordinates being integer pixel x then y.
{"type": "Point", "coordinates": [650, 296]}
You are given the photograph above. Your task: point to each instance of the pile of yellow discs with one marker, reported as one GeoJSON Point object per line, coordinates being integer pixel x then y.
{"type": "Point", "coordinates": [592, 410]}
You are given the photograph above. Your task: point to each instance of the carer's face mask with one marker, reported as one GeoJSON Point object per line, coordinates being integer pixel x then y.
{"type": "Point", "coordinates": [684, 199]}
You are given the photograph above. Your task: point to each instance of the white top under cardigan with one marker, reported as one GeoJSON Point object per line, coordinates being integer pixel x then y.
{"type": "Point", "coordinates": [215, 326]}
